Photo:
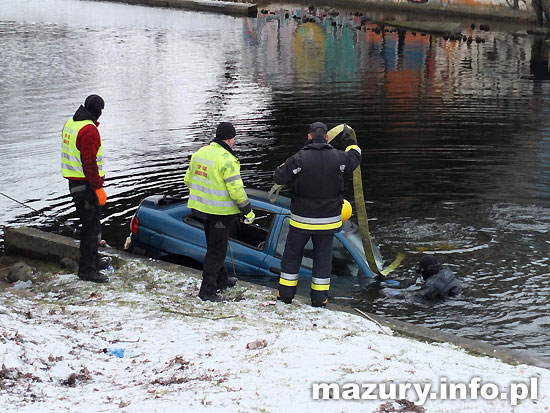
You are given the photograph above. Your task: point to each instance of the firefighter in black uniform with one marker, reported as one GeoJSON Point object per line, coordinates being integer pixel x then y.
{"type": "Point", "coordinates": [315, 176]}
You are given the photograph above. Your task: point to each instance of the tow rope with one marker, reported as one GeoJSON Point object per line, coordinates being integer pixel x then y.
{"type": "Point", "coordinates": [361, 212]}
{"type": "Point", "coordinates": [361, 208]}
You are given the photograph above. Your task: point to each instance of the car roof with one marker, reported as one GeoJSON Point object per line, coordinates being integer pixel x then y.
{"type": "Point", "coordinates": [261, 199]}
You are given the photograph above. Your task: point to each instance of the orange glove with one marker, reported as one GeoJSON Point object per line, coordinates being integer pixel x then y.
{"type": "Point", "coordinates": [101, 196]}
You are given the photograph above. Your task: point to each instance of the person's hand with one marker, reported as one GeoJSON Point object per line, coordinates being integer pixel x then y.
{"type": "Point", "coordinates": [348, 141]}
{"type": "Point", "coordinates": [250, 217]}
{"type": "Point", "coordinates": [101, 196]}
{"type": "Point", "coordinates": [347, 138]}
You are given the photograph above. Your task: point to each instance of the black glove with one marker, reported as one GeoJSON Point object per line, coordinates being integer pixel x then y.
{"type": "Point", "coordinates": [347, 139]}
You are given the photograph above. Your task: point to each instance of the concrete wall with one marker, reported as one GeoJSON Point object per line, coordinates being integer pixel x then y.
{"type": "Point", "coordinates": [512, 4]}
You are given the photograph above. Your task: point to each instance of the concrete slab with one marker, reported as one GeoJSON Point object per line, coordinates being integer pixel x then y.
{"type": "Point", "coordinates": [426, 27]}
{"type": "Point", "coordinates": [225, 7]}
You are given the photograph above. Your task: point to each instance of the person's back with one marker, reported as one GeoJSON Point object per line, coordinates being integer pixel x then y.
{"type": "Point", "coordinates": [441, 285]}
{"type": "Point", "coordinates": [439, 282]}
{"type": "Point", "coordinates": [317, 188]}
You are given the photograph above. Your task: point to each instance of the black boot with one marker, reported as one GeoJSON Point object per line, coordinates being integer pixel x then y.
{"type": "Point", "coordinates": [104, 263]}
{"type": "Point", "coordinates": [215, 298]}
{"type": "Point", "coordinates": [285, 300]}
{"type": "Point", "coordinates": [319, 304]}
{"type": "Point", "coordinates": [96, 277]}
{"type": "Point", "coordinates": [231, 281]}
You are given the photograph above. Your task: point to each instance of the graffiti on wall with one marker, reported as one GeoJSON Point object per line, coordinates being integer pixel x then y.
{"type": "Point", "coordinates": [514, 4]}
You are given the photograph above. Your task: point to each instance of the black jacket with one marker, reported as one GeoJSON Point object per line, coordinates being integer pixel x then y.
{"type": "Point", "coordinates": [440, 285]}
{"type": "Point", "coordinates": [315, 177]}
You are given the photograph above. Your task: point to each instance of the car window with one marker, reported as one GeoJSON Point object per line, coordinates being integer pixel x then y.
{"type": "Point", "coordinates": [342, 260]}
{"type": "Point", "coordinates": [256, 233]}
{"type": "Point", "coordinates": [307, 261]}
{"type": "Point", "coordinates": [343, 263]}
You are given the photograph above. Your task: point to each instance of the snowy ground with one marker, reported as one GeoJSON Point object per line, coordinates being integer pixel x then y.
{"type": "Point", "coordinates": [248, 354]}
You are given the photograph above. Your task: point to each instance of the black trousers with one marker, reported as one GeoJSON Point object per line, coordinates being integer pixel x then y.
{"type": "Point", "coordinates": [214, 274]}
{"type": "Point", "coordinates": [89, 212]}
{"type": "Point", "coordinates": [292, 259]}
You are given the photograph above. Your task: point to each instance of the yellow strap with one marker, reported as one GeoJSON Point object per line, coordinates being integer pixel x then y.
{"type": "Point", "coordinates": [320, 287]}
{"type": "Point", "coordinates": [361, 212]}
{"type": "Point", "coordinates": [400, 257]}
{"type": "Point", "coordinates": [349, 148]}
{"type": "Point", "coordinates": [360, 207]}
{"type": "Point", "coordinates": [274, 192]}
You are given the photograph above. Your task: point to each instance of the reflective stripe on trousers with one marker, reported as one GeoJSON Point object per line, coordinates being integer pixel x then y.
{"type": "Point", "coordinates": [320, 284]}
{"type": "Point", "coordinates": [292, 258]}
{"type": "Point", "coordinates": [290, 280]}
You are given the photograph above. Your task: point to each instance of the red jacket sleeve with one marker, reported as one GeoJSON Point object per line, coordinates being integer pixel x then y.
{"type": "Point", "coordinates": [88, 142]}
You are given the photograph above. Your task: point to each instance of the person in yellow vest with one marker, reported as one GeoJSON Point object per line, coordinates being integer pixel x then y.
{"type": "Point", "coordinates": [82, 166]}
{"type": "Point", "coordinates": [217, 196]}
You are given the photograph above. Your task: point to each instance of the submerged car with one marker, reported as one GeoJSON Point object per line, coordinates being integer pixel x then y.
{"type": "Point", "coordinates": [164, 228]}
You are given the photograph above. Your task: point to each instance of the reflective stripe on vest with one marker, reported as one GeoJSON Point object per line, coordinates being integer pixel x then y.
{"type": "Point", "coordinates": [71, 162]}
{"type": "Point", "coordinates": [209, 191]}
{"type": "Point", "coordinates": [315, 223]}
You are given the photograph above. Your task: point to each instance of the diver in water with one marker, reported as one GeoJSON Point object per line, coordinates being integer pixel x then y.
{"type": "Point", "coordinates": [439, 282]}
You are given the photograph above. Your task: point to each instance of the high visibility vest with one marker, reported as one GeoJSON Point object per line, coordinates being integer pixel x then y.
{"type": "Point", "coordinates": [214, 181]}
{"type": "Point", "coordinates": [71, 163]}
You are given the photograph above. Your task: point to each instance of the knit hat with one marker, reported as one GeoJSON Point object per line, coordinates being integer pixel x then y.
{"type": "Point", "coordinates": [225, 130]}
{"type": "Point", "coordinates": [94, 104]}
{"type": "Point", "coordinates": [318, 129]}
{"type": "Point", "coordinates": [428, 266]}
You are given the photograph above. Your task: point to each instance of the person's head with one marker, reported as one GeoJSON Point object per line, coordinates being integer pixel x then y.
{"type": "Point", "coordinates": [428, 266]}
{"type": "Point", "coordinates": [226, 132]}
{"type": "Point", "coordinates": [317, 130]}
{"type": "Point", "coordinates": [94, 104]}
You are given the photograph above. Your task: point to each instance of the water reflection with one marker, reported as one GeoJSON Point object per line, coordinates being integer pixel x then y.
{"type": "Point", "coordinates": [455, 134]}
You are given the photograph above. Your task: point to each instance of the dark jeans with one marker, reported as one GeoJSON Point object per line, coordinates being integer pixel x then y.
{"type": "Point", "coordinates": [214, 274]}
{"type": "Point", "coordinates": [89, 212]}
{"type": "Point", "coordinates": [322, 262]}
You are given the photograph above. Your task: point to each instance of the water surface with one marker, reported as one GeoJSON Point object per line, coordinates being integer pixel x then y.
{"type": "Point", "coordinates": [455, 135]}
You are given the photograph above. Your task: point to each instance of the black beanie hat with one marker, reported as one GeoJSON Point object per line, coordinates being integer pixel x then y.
{"type": "Point", "coordinates": [94, 104]}
{"type": "Point", "coordinates": [318, 129]}
{"type": "Point", "coordinates": [225, 130]}
{"type": "Point", "coordinates": [428, 266]}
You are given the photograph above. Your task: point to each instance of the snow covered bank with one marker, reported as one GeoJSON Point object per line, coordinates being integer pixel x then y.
{"type": "Point", "coordinates": [59, 347]}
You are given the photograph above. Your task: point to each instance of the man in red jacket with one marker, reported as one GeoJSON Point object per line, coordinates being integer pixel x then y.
{"type": "Point", "coordinates": [82, 165]}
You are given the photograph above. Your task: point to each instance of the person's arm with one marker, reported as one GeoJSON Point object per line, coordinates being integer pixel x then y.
{"type": "Point", "coordinates": [284, 173]}
{"type": "Point", "coordinates": [352, 154]}
{"type": "Point", "coordinates": [430, 289]}
{"type": "Point", "coordinates": [88, 143]}
{"type": "Point", "coordinates": [230, 171]}
{"type": "Point", "coordinates": [188, 172]}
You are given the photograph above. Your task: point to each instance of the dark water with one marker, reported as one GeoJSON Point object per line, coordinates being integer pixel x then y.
{"type": "Point", "coordinates": [455, 136]}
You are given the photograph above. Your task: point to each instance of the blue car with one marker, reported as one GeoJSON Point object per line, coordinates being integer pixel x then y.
{"type": "Point", "coordinates": [164, 228]}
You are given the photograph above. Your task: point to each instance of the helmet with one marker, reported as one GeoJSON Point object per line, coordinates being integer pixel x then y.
{"type": "Point", "coordinates": [346, 210]}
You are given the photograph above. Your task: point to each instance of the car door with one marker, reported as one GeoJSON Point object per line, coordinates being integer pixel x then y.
{"type": "Point", "coordinates": [248, 242]}
{"type": "Point", "coordinates": [344, 262]}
